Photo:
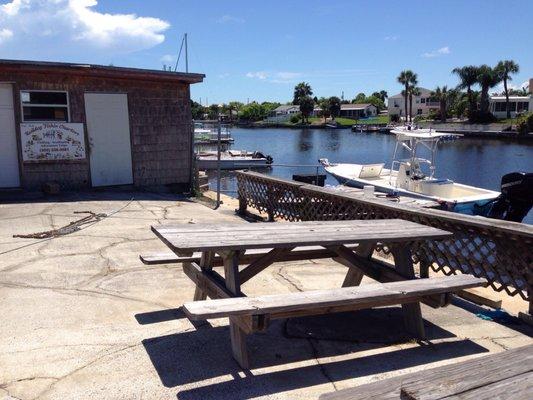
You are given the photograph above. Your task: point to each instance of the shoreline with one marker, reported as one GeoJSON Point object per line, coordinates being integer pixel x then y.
{"type": "Point", "coordinates": [476, 134]}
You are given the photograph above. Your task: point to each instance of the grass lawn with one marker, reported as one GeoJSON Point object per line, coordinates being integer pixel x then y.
{"type": "Point", "coordinates": [380, 119]}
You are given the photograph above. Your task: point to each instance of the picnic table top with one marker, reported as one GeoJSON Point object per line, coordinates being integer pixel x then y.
{"type": "Point", "coordinates": [186, 238]}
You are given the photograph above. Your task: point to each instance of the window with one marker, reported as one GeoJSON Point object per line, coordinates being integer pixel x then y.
{"type": "Point", "coordinates": [423, 100]}
{"type": "Point", "coordinates": [44, 106]}
{"type": "Point", "coordinates": [522, 106]}
{"type": "Point", "coordinates": [419, 111]}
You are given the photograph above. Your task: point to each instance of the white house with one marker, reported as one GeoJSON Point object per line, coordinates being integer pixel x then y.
{"type": "Point", "coordinates": [517, 105]}
{"type": "Point", "coordinates": [422, 104]}
{"type": "Point", "coordinates": [357, 111]}
{"type": "Point", "coordinates": [283, 113]}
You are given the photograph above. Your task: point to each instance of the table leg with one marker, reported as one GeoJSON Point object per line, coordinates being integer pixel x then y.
{"type": "Point", "coordinates": [238, 336]}
{"type": "Point", "coordinates": [412, 314]}
{"type": "Point", "coordinates": [206, 263]}
{"type": "Point", "coordinates": [354, 276]}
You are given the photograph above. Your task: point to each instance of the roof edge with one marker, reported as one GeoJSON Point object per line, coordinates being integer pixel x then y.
{"type": "Point", "coordinates": [101, 71]}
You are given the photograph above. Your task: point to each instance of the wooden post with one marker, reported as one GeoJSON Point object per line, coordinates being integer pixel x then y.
{"type": "Point", "coordinates": [412, 314]}
{"type": "Point", "coordinates": [242, 205]}
{"type": "Point", "coordinates": [206, 263]}
{"type": "Point", "coordinates": [238, 336]}
{"type": "Point", "coordinates": [354, 276]}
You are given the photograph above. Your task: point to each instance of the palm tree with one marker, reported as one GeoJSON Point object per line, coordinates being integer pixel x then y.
{"type": "Point", "coordinates": [383, 95]}
{"type": "Point", "coordinates": [334, 107]}
{"type": "Point", "coordinates": [413, 91]}
{"type": "Point", "coordinates": [487, 78]}
{"type": "Point", "coordinates": [468, 76]}
{"type": "Point", "coordinates": [505, 69]}
{"type": "Point", "coordinates": [301, 90]}
{"type": "Point", "coordinates": [442, 95]}
{"type": "Point", "coordinates": [405, 78]}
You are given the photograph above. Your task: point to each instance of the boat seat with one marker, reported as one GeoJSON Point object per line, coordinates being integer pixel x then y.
{"type": "Point", "coordinates": [371, 171]}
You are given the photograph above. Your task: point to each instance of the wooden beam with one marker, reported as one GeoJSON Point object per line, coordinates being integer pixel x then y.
{"type": "Point", "coordinates": [365, 296]}
{"type": "Point", "coordinates": [233, 284]}
{"type": "Point", "coordinates": [412, 314]}
{"type": "Point", "coordinates": [262, 262]}
{"type": "Point", "coordinates": [459, 378]}
{"type": "Point", "coordinates": [383, 272]}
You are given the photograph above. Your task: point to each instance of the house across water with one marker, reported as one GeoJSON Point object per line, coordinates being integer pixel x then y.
{"type": "Point", "coordinates": [85, 126]}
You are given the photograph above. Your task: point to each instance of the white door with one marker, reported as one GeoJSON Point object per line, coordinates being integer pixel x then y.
{"type": "Point", "coordinates": [9, 163]}
{"type": "Point", "coordinates": [108, 128]}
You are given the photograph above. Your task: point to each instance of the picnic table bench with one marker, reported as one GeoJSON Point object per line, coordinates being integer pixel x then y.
{"type": "Point", "coordinates": [506, 375]}
{"type": "Point", "coordinates": [248, 315]}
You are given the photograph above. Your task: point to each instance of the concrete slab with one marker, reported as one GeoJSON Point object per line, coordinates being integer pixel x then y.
{"type": "Point", "coordinates": [83, 318]}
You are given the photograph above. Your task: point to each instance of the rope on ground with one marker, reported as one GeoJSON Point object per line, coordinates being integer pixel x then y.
{"type": "Point", "coordinates": [74, 226]}
{"type": "Point", "coordinates": [65, 230]}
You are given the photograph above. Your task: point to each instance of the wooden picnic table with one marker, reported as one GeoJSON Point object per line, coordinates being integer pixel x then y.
{"type": "Point", "coordinates": [231, 240]}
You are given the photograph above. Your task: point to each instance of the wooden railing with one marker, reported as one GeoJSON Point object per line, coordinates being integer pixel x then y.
{"type": "Point", "coordinates": [500, 251]}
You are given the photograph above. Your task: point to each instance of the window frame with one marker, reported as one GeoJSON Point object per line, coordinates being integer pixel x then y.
{"type": "Point", "coordinates": [22, 105]}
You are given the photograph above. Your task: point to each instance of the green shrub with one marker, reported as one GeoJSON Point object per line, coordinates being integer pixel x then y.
{"type": "Point", "coordinates": [479, 117]}
{"type": "Point", "coordinates": [394, 118]}
{"type": "Point", "coordinates": [524, 124]}
{"type": "Point", "coordinates": [296, 118]}
{"type": "Point", "coordinates": [419, 118]}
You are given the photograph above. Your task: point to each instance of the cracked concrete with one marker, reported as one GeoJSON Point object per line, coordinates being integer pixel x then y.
{"type": "Point", "coordinates": [83, 318]}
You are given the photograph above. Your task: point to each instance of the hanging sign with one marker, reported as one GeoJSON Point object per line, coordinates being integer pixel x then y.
{"type": "Point", "coordinates": [52, 141]}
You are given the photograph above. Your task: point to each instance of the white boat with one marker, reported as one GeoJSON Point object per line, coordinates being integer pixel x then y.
{"type": "Point", "coordinates": [207, 133]}
{"type": "Point", "coordinates": [232, 159]}
{"type": "Point", "coordinates": [414, 176]}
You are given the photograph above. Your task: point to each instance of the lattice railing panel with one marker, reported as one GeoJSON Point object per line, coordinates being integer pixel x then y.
{"type": "Point", "coordinates": [496, 250]}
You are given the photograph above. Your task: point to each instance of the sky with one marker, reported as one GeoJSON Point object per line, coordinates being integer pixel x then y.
{"type": "Point", "coordinates": [258, 51]}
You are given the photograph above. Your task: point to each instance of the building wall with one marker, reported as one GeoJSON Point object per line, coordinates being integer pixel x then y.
{"type": "Point", "coordinates": [500, 112]}
{"type": "Point", "coordinates": [396, 105]}
{"type": "Point", "coordinates": [160, 128]}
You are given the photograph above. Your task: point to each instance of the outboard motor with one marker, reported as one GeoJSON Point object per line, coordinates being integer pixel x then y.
{"type": "Point", "coordinates": [516, 199]}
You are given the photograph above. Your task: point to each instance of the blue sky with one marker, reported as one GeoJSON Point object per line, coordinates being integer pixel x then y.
{"type": "Point", "coordinates": [251, 50]}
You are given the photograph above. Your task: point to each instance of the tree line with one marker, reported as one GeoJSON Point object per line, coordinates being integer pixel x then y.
{"type": "Point", "coordinates": [464, 100]}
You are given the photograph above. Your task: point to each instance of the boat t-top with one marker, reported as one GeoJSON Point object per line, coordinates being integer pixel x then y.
{"type": "Point", "coordinates": [413, 176]}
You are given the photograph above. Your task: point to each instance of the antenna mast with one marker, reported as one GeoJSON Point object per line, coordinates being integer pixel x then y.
{"type": "Point", "coordinates": [183, 43]}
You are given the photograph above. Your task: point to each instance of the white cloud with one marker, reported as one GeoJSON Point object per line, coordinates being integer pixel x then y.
{"type": "Point", "coordinates": [261, 75]}
{"type": "Point", "coordinates": [225, 19]}
{"type": "Point", "coordinates": [437, 53]}
{"type": "Point", "coordinates": [391, 38]}
{"type": "Point", "coordinates": [72, 22]}
{"type": "Point", "coordinates": [5, 35]}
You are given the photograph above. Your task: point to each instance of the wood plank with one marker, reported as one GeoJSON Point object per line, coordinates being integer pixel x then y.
{"type": "Point", "coordinates": [516, 388]}
{"type": "Point", "coordinates": [206, 264]}
{"type": "Point", "coordinates": [199, 238]}
{"type": "Point", "coordinates": [382, 271]}
{"type": "Point", "coordinates": [454, 379]}
{"type": "Point", "coordinates": [261, 263]}
{"type": "Point", "coordinates": [390, 388]}
{"type": "Point", "coordinates": [299, 253]}
{"type": "Point", "coordinates": [485, 298]}
{"type": "Point", "coordinates": [237, 334]}
{"type": "Point", "coordinates": [366, 295]}
{"type": "Point", "coordinates": [412, 314]}
{"type": "Point", "coordinates": [354, 276]}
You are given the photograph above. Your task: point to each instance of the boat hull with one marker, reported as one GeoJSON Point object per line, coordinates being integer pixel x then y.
{"type": "Point", "coordinates": [232, 164]}
{"type": "Point", "coordinates": [470, 207]}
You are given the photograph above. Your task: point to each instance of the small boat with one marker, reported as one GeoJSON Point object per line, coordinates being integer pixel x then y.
{"type": "Point", "coordinates": [414, 176]}
{"type": "Point", "coordinates": [232, 159]}
{"type": "Point", "coordinates": [206, 133]}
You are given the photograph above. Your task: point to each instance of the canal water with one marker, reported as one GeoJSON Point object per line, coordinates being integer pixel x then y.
{"type": "Point", "coordinates": [477, 162]}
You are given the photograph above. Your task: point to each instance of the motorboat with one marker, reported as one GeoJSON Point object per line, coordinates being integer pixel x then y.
{"type": "Point", "coordinates": [207, 133]}
{"type": "Point", "coordinates": [414, 176]}
{"type": "Point", "coordinates": [232, 159]}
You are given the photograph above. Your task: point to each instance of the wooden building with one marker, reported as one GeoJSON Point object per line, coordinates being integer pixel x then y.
{"type": "Point", "coordinates": [86, 126]}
